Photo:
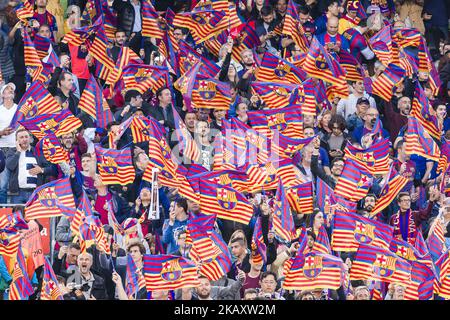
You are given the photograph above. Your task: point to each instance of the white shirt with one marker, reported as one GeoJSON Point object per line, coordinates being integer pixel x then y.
{"type": "Point", "coordinates": [24, 175]}
{"type": "Point", "coordinates": [137, 17]}
{"type": "Point", "coordinates": [6, 116]}
{"type": "Point", "coordinates": [347, 107]}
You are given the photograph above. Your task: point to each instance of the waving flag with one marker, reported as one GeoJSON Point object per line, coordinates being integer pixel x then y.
{"type": "Point", "coordinates": [52, 150]}
{"type": "Point", "coordinates": [436, 239]}
{"type": "Point", "coordinates": [376, 263]}
{"type": "Point", "coordinates": [202, 24]}
{"type": "Point", "coordinates": [94, 104]}
{"type": "Point", "coordinates": [166, 272]}
{"type": "Point", "coordinates": [188, 57]}
{"type": "Point", "coordinates": [259, 248]}
{"type": "Point", "coordinates": [50, 287]}
{"type": "Point", "coordinates": [322, 243]}
{"type": "Point", "coordinates": [423, 112]}
{"type": "Point", "coordinates": [354, 181]}
{"type": "Point", "coordinates": [36, 101]}
{"type": "Point", "coordinates": [58, 124]}
{"type": "Point", "coordinates": [84, 209]}
{"type": "Point", "coordinates": [186, 143]}
{"type": "Point", "coordinates": [52, 199]}
{"type": "Point", "coordinates": [151, 27]}
{"type": "Point", "coordinates": [350, 64]}
{"type": "Point", "coordinates": [374, 159]}
{"type": "Point", "coordinates": [100, 47]}
{"type": "Point", "coordinates": [314, 270]}
{"type": "Point", "coordinates": [300, 198]}
{"type": "Point", "coordinates": [24, 11]}
{"type": "Point", "coordinates": [286, 147]}
{"type": "Point", "coordinates": [34, 65]}
{"type": "Point", "coordinates": [283, 223]}
{"type": "Point", "coordinates": [443, 273]}
{"type": "Point", "coordinates": [276, 95]}
{"type": "Point", "coordinates": [231, 19]}
{"type": "Point", "coordinates": [224, 201]}
{"type": "Point", "coordinates": [9, 243]}
{"type": "Point", "coordinates": [275, 69]}
{"type": "Point", "coordinates": [321, 65]}
{"type": "Point", "coordinates": [42, 45]}
{"type": "Point", "coordinates": [135, 280]}
{"type": "Point", "coordinates": [142, 77]}
{"type": "Point", "coordinates": [418, 141]}
{"type": "Point", "coordinates": [210, 93]}
{"type": "Point", "coordinates": [394, 184]}
{"type": "Point", "coordinates": [145, 129]}
{"type": "Point", "coordinates": [292, 27]}
{"type": "Point", "coordinates": [115, 166]}
{"type": "Point", "coordinates": [384, 84]}
{"type": "Point", "coordinates": [381, 44]}
{"type": "Point", "coordinates": [352, 230]}
{"type": "Point", "coordinates": [90, 228]}
{"type": "Point", "coordinates": [125, 57]}
{"type": "Point", "coordinates": [20, 287]}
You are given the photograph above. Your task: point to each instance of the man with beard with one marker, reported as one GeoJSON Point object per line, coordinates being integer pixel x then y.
{"type": "Point", "coordinates": [119, 41]}
{"type": "Point", "coordinates": [92, 285]}
{"type": "Point", "coordinates": [369, 123]}
{"type": "Point", "coordinates": [369, 204]}
{"type": "Point", "coordinates": [75, 150]}
{"type": "Point", "coordinates": [247, 74]}
{"type": "Point", "coordinates": [207, 292]}
{"type": "Point", "coordinates": [66, 261]}
{"type": "Point", "coordinates": [397, 120]}
{"type": "Point", "coordinates": [337, 165]}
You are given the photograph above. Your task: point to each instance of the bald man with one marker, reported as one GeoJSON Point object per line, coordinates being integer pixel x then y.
{"type": "Point", "coordinates": [332, 40]}
{"type": "Point", "coordinates": [370, 119]}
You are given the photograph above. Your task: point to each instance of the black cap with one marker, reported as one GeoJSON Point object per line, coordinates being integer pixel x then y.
{"type": "Point", "coordinates": [108, 229]}
{"type": "Point", "coordinates": [363, 100]}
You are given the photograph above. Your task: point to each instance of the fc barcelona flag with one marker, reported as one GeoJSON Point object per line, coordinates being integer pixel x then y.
{"type": "Point", "coordinates": [100, 46]}
{"type": "Point", "coordinates": [424, 113]}
{"type": "Point", "coordinates": [94, 104]}
{"type": "Point", "coordinates": [143, 77]}
{"type": "Point", "coordinates": [376, 263]}
{"type": "Point", "coordinates": [59, 124]}
{"type": "Point", "coordinates": [37, 100]}
{"type": "Point", "coordinates": [187, 146]}
{"type": "Point", "coordinates": [210, 93]}
{"type": "Point", "coordinates": [31, 57]}
{"type": "Point", "coordinates": [436, 239]}
{"type": "Point", "coordinates": [224, 201]}
{"type": "Point", "coordinates": [275, 95]}
{"type": "Point", "coordinates": [185, 84]}
{"type": "Point", "coordinates": [419, 141]}
{"type": "Point", "coordinates": [53, 199]}
{"type": "Point", "coordinates": [300, 198]}
{"type": "Point", "coordinates": [293, 27]}
{"type": "Point", "coordinates": [145, 129]}
{"type": "Point", "coordinates": [382, 45]}
{"type": "Point", "coordinates": [202, 24]}
{"type": "Point", "coordinates": [259, 248]}
{"type": "Point", "coordinates": [389, 191]}
{"type": "Point", "coordinates": [24, 11]}
{"type": "Point", "coordinates": [231, 19]}
{"type": "Point", "coordinates": [275, 69]}
{"type": "Point", "coordinates": [134, 278]}
{"type": "Point", "coordinates": [50, 287]}
{"type": "Point", "coordinates": [167, 272]}
{"type": "Point", "coordinates": [315, 270]}
{"type": "Point", "coordinates": [374, 159]}
{"type": "Point", "coordinates": [443, 273]}
{"type": "Point", "coordinates": [384, 84]}
{"type": "Point", "coordinates": [321, 65]}
{"type": "Point", "coordinates": [188, 57]}
{"type": "Point", "coordinates": [115, 166]}
{"type": "Point", "coordinates": [20, 287]}
{"type": "Point", "coordinates": [286, 147]}
{"type": "Point", "coordinates": [352, 230]}
{"type": "Point", "coordinates": [322, 242]}
{"type": "Point", "coordinates": [151, 26]}
{"type": "Point", "coordinates": [283, 223]}
{"type": "Point", "coordinates": [354, 181]}
{"type": "Point", "coordinates": [52, 150]}
{"type": "Point", "coordinates": [42, 45]}
{"type": "Point", "coordinates": [348, 62]}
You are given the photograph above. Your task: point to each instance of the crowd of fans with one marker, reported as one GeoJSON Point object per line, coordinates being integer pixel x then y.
{"type": "Point", "coordinates": [96, 275]}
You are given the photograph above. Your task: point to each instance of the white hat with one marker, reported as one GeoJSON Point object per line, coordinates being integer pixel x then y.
{"type": "Point", "coordinates": [6, 85]}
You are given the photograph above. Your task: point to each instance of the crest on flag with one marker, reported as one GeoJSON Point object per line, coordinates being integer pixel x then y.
{"type": "Point", "coordinates": [313, 266]}
{"type": "Point", "coordinates": [281, 91]}
{"type": "Point", "coordinates": [171, 270]}
{"type": "Point", "coordinates": [143, 74]}
{"type": "Point", "coordinates": [202, 18]}
{"type": "Point", "coordinates": [363, 181]}
{"type": "Point", "coordinates": [406, 253]}
{"type": "Point", "coordinates": [384, 266]}
{"type": "Point", "coordinates": [277, 121]}
{"type": "Point", "coordinates": [321, 63]}
{"type": "Point", "coordinates": [282, 69]}
{"type": "Point", "coordinates": [30, 108]}
{"type": "Point", "coordinates": [48, 198]}
{"type": "Point", "coordinates": [270, 171]}
{"type": "Point", "coordinates": [223, 180]}
{"type": "Point", "coordinates": [207, 89]}
{"type": "Point", "coordinates": [189, 61]}
{"type": "Point", "coordinates": [50, 148]}
{"type": "Point", "coordinates": [365, 156]}
{"type": "Point", "coordinates": [227, 199]}
{"type": "Point", "coordinates": [364, 233]}
{"type": "Point", "coordinates": [109, 165]}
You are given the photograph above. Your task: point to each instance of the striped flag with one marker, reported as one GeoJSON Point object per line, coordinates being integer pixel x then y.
{"type": "Point", "coordinates": [50, 286]}
{"type": "Point", "coordinates": [321, 65]}
{"type": "Point", "coordinates": [59, 124]}
{"type": "Point", "coordinates": [100, 47]}
{"type": "Point", "coordinates": [52, 199]}
{"type": "Point", "coordinates": [125, 57]}
{"type": "Point", "coordinates": [436, 239]}
{"type": "Point", "coordinates": [276, 95]}
{"type": "Point", "coordinates": [188, 57]}
{"type": "Point", "coordinates": [185, 84]}
{"type": "Point", "coordinates": [350, 64]}
{"type": "Point", "coordinates": [292, 27]}
{"type": "Point", "coordinates": [231, 19]}
{"type": "Point", "coordinates": [322, 242]}
{"type": "Point", "coordinates": [424, 113]}
{"type": "Point", "coordinates": [210, 93]}
{"type": "Point", "coordinates": [354, 181]}
{"type": "Point", "coordinates": [283, 223]}
{"type": "Point", "coordinates": [382, 44]}
{"type": "Point", "coordinates": [24, 10]}
{"type": "Point", "coordinates": [259, 248]}
{"type": "Point", "coordinates": [135, 280]}
{"type": "Point", "coordinates": [42, 45]}
{"type": "Point", "coordinates": [202, 24]}
{"type": "Point", "coordinates": [84, 209]}
{"type": "Point", "coordinates": [224, 201]}
{"type": "Point", "coordinates": [52, 150]}
{"type": "Point", "coordinates": [418, 141]}
{"type": "Point", "coordinates": [326, 198]}
{"type": "Point", "coordinates": [36, 101]}
{"type": "Point", "coordinates": [376, 263]}
{"type": "Point", "coordinates": [115, 166]}
{"type": "Point", "coordinates": [394, 184]}
{"type": "Point", "coordinates": [145, 77]}
{"type": "Point", "coordinates": [313, 271]}
{"type": "Point", "coordinates": [352, 230]}
{"type": "Point", "coordinates": [443, 273]}
{"type": "Point", "coordinates": [151, 27]}
{"type": "Point", "coordinates": [20, 287]}
{"type": "Point", "coordinates": [167, 272]}
{"type": "Point", "coordinates": [9, 243]}
{"type": "Point", "coordinates": [94, 104]}
{"type": "Point", "coordinates": [374, 159]}
{"type": "Point", "coordinates": [384, 84]}
{"type": "Point", "coordinates": [186, 144]}
{"type": "Point", "coordinates": [276, 69]}
{"type": "Point", "coordinates": [31, 57]}
{"type": "Point", "coordinates": [300, 198]}
{"type": "Point", "coordinates": [145, 129]}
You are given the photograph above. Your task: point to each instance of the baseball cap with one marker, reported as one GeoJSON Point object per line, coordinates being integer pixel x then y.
{"type": "Point", "coordinates": [6, 85]}
{"type": "Point", "coordinates": [363, 100]}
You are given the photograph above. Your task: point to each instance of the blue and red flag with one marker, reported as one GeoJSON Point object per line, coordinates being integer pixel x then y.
{"type": "Point", "coordinates": [115, 166]}
{"type": "Point", "coordinates": [354, 181]}
{"type": "Point", "coordinates": [436, 239]}
{"type": "Point", "coordinates": [188, 57]}
{"type": "Point", "coordinates": [424, 113]}
{"type": "Point", "coordinates": [276, 69]}
{"type": "Point", "coordinates": [384, 84]}
{"type": "Point", "coordinates": [300, 198]}
{"type": "Point", "coordinates": [202, 24]}
{"type": "Point", "coordinates": [276, 95]}
{"type": "Point", "coordinates": [51, 148]}
{"type": "Point", "coordinates": [151, 26]}
{"type": "Point", "coordinates": [259, 248]}
{"type": "Point", "coordinates": [20, 287]}
{"type": "Point", "coordinates": [283, 222]}
{"type": "Point", "coordinates": [419, 141]}
{"type": "Point", "coordinates": [135, 280]}
{"type": "Point", "coordinates": [143, 77]}
{"type": "Point", "coordinates": [442, 285]}
{"type": "Point", "coordinates": [50, 287]}
{"type": "Point", "coordinates": [374, 159]}
{"type": "Point", "coordinates": [292, 27]}
{"type": "Point", "coordinates": [322, 242]}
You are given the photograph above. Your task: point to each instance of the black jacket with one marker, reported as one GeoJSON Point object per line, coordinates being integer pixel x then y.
{"type": "Point", "coordinates": [125, 15]}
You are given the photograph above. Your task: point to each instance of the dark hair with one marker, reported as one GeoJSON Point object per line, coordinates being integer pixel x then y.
{"type": "Point", "coordinates": [370, 195]}
{"type": "Point", "coordinates": [22, 130]}
{"type": "Point", "coordinates": [303, 10]}
{"type": "Point", "coordinates": [136, 244]}
{"type": "Point", "coordinates": [86, 155]}
{"type": "Point", "coordinates": [131, 94]}
{"type": "Point", "coordinates": [182, 231]}
{"type": "Point", "coordinates": [311, 233]}
{"type": "Point", "coordinates": [268, 273]}
{"type": "Point", "coordinates": [239, 240]}
{"type": "Point", "coordinates": [60, 279]}
{"type": "Point", "coordinates": [305, 293]}
{"type": "Point", "coordinates": [250, 291]}
{"type": "Point", "coordinates": [329, 3]}
{"type": "Point", "coordinates": [120, 30]}
{"type": "Point", "coordinates": [19, 208]}
{"type": "Point", "coordinates": [266, 10]}
{"type": "Point", "coordinates": [336, 160]}
{"type": "Point", "coordinates": [310, 218]}
{"type": "Point", "coordinates": [44, 25]}
{"type": "Point", "coordinates": [74, 245]}
{"type": "Point", "coordinates": [62, 76]}
{"type": "Point", "coordinates": [184, 31]}
{"type": "Point", "coordinates": [112, 123]}
{"type": "Point", "coordinates": [160, 90]}
{"type": "Point", "coordinates": [339, 120]}
{"type": "Point", "coordinates": [401, 195]}
{"type": "Point", "coordinates": [182, 203]}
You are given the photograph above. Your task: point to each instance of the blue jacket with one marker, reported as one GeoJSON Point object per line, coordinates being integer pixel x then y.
{"type": "Point", "coordinates": [168, 237]}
